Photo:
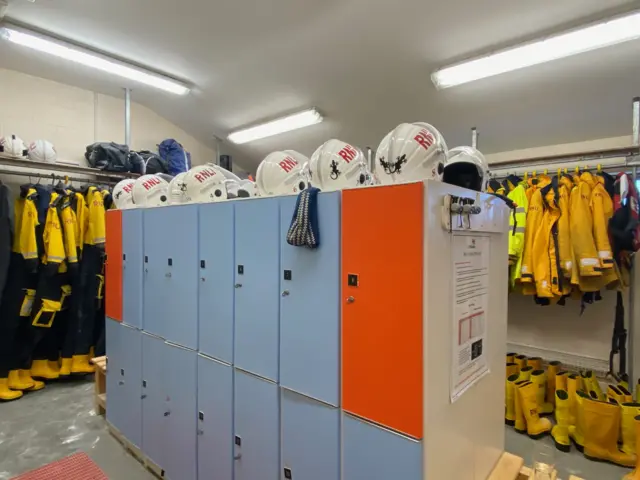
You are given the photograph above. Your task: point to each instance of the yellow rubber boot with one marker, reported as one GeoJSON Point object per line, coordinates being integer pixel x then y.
{"type": "Point", "coordinates": [601, 427]}
{"type": "Point", "coordinates": [561, 381]}
{"type": "Point", "coordinates": [538, 378]}
{"type": "Point", "coordinates": [25, 376]}
{"type": "Point", "coordinates": [552, 373]}
{"type": "Point", "coordinates": [635, 475]}
{"type": "Point", "coordinates": [535, 363]}
{"type": "Point", "coordinates": [576, 431]}
{"type": "Point", "coordinates": [510, 357]}
{"type": "Point", "coordinates": [6, 394]}
{"type": "Point", "coordinates": [626, 394]}
{"type": "Point", "coordinates": [525, 374]}
{"type": "Point", "coordinates": [520, 360]}
{"type": "Point", "coordinates": [560, 431]}
{"type": "Point", "coordinates": [54, 366]}
{"type": "Point", "coordinates": [18, 383]}
{"type": "Point", "coordinates": [520, 425]}
{"type": "Point", "coordinates": [92, 353]}
{"type": "Point", "coordinates": [510, 401]}
{"type": "Point", "coordinates": [80, 365]}
{"type": "Point", "coordinates": [65, 367]}
{"type": "Point", "coordinates": [614, 393]}
{"type": "Point", "coordinates": [536, 427]}
{"type": "Point", "coordinates": [574, 385]}
{"type": "Point", "coordinates": [512, 369]}
{"type": "Point", "coordinates": [591, 384]}
{"type": "Point", "coordinates": [40, 369]}
{"type": "Point", "coordinates": [628, 427]}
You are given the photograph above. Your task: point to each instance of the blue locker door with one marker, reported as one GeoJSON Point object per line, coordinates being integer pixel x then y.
{"type": "Point", "coordinates": [310, 438]}
{"type": "Point", "coordinates": [215, 315]}
{"type": "Point", "coordinates": [181, 389]}
{"type": "Point", "coordinates": [375, 453]}
{"type": "Point", "coordinates": [116, 412]}
{"type": "Point", "coordinates": [155, 287]}
{"type": "Point", "coordinates": [133, 266]}
{"type": "Point", "coordinates": [310, 305]}
{"type": "Point", "coordinates": [215, 420]}
{"type": "Point", "coordinates": [257, 299]}
{"type": "Point", "coordinates": [154, 405]}
{"type": "Point", "coordinates": [181, 269]}
{"type": "Point", "coordinates": [132, 368]}
{"type": "Point", "coordinates": [257, 428]}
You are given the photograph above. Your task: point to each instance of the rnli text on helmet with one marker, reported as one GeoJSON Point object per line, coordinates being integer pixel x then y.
{"type": "Point", "coordinates": [204, 174]}
{"type": "Point", "coordinates": [425, 138]}
{"type": "Point", "coordinates": [348, 153]}
{"type": "Point", "coordinates": [149, 184]}
{"type": "Point", "coordinates": [288, 164]}
{"type": "Point", "coordinates": [128, 187]}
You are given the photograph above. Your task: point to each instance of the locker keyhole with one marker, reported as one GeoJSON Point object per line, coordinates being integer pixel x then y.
{"type": "Point", "coordinates": [240, 269]}
{"type": "Point", "coordinates": [287, 275]}
{"type": "Point", "coordinates": [202, 264]}
{"type": "Point", "coordinates": [170, 261]}
{"type": "Point", "coordinates": [146, 259]}
{"type": "Point", "coordinates": [201, 416]}
{"type": "Point", "coordinates": [122, 372]}
{"type": "Point", "coordinates": [238, 441]}
{"type": "Point", "coordinates": [124, 256]}
{"type": "Point", "coordinates": [287, 473]}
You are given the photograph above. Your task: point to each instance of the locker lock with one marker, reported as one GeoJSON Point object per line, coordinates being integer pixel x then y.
{"type": "Point", "coordinates": [351, 299]}
{"type": "Point", "coordinates": [201, 416]}
{"type": "Point", "coordinates": [288, 474]}
{"type": "Point", "coordinates": [285, 293]}
{"type": "Point", "coordinates": [170, 261]}
{"type": "Point", "coordinates": [238, 285]}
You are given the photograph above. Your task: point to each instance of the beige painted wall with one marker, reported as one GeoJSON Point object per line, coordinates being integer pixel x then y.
{"type": "Point", "coordinates": [72, 118]}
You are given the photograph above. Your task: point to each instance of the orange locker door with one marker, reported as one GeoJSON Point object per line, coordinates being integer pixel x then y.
{"type": "Point", "coordinates": [113, 265]}
{"type": "Point", "coordinates": [382, 252]}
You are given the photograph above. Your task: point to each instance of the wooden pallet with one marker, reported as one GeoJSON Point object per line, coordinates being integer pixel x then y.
{"type": "Point", "coordinates": [136, 452]}
{"type": "Point", "coordinates": [511, 467]}
{"type": "Point", "coordinates": [100, 398]}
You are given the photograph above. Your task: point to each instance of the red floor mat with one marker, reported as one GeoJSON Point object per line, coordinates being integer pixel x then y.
{"type": "Point", "coordinates": [75, 467]}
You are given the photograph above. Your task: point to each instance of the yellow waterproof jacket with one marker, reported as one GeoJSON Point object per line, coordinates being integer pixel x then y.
{"type": "Point", "coordinates": [565, 185]}
{"type": "Point", "coordinates": [602, 210]}
{"type": "Point", "coordinates": [68, 219]}
{"type": "Point", "coordinates": [535, 213]}
{"type": "Point", "coordinates": [54, 251]}
{"type": "Point", "coordinates": [517, 230]}
{"type": "Point", "coordinates": [26, 221]}
{"type": "Point", "coordinates": [81, 213]}
{"type": "Point", "coordinates": [587, 261]}
{"type": "Point", "coordinates": [95, 233]}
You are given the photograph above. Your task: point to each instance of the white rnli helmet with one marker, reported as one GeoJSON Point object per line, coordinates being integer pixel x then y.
{"type": "Point", "coordinates": [411, 152]}
{"type": "Point", "coordinates": [466, 167]}
{"type": "Point", "coordinates": [337, 165]}
{"type": "Point", "coordinates": [282, 173]}
{"type": "Point", "coordinates": [205, 184]}
{"type": "Point", "coordinates": [151, 191]}
{"type": "Point", "coordinates": [13, 146]}
{"type": "Point", "coordinates": [42, 151]}
{"type": "Point", "coordinates": [123, 194]}
{"type": "Point", "coordinates": [247, 189]}
{"type": "Point", "coordinates": [178, 190]}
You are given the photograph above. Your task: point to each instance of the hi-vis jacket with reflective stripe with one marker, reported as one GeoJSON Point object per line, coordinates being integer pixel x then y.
{"type": "Point", "coordinates": [26, 221]}
{"type": "Point", "coordinates": [54, 251]}
{"type": "Point", "coordinates": [95, 233]}
{"type": "Point", "coordinates": [518, 224]}
{"type": "Point", "coordinates": [602, 210]}
{"type": "Point", "coordinates": [535, 213]}
{"type": "Point", "coordinates": [582, 237]}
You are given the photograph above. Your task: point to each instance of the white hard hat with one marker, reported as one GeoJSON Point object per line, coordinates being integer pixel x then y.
{"type": "Point", "coordinates": [205, 184]}
{"type": "Point", "coordinates": [247, 189]}
{"type": "Point", "coordinates": [411, 152]}
{"type": "Point", "coordinates": [151, 191]}
{"type": "Point", "coordinates": [282, 173]}
{"type": "Point", "coordinates": [337, 165]}
{"type": "Point", "coordinates": [123, 194]}
{"type": "Point", "coordinates": [42, 151]}
{"type": "Point", "coordinates": [466, 167]}
{"type": "Point", "coordinates": [13, 146]}
{"type": "Point", "coordinates": [178, 190]}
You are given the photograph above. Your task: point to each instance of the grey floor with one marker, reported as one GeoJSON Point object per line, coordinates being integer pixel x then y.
{"type": "Point", "coordinates": [55, 422]}
{"type": "Point", "coordinates": [572, 463]}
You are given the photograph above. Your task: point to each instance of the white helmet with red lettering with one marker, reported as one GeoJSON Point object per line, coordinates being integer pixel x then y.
{"type": "Point", "coordinates": [13, 146]}
{"type": "Point", "coordinates": [123, 194]}
{"type": "Point", "coordinates": [282, 173]}
{"type": "Point", "coordinates": [411, 152]}
{"type": "Point", "coordinates": [466, 167]}
{"type": "Point", "coordinates": [337, 165]}
{"type": "Point", "coordinates": [205, 184]}
{"type": "Point", "coordinates": [178, 190]}
{"type": "Point", "coordinates": [151, 191]}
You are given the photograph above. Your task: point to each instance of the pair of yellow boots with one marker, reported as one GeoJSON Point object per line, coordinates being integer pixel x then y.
{"type": "Point", "coordinates": [52, 370]}
{"type": "Point", "coordinates": [17, 382]}
{"type": "Point", "coordinates": [523, 404]}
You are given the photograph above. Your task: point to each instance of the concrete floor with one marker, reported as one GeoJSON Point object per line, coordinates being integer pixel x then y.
{"type": "Point", "coordinates": [55, 422]}
{"type": "Point", "coordinates": [572, 463]}
{"type": "Point", "coordinates": [45, 426]}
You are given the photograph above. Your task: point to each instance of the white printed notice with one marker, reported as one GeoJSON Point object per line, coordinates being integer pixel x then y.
{"type": "Point", "coordinates": [470, 302]}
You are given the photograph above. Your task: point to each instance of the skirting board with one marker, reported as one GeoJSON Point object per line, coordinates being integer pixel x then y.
{"type": "Point", "coordinates": [570, 361]}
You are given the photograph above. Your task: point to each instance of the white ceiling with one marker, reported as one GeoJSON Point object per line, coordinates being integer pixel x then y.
{"type": "Point", "coordinates": [365, 64]}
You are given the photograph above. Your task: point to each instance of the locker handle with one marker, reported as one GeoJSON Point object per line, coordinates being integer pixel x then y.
{"type": "Point", "coordinates": [166, 414]}
{"type": "Point", "coordinates": [168, 274]}
{"type": "Point", "coordinates": [238, 285]}
{"type": "Point", "coordinates": [285, 293]}
{"type": "Point", "coordinates": [351, 300]}
{"type": "Point", "coordinates": [121, 382]}
{"type": "Point", "coordinates": [237, 456]}
{"type": "Point", "coordinates": [142, 397]}
{"type": "Point", "coordinates": [200, 432]}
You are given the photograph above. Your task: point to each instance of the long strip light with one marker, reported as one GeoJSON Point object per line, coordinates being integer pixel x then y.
{"type": "Point", "coordinates": [91, 59]}
{"type": "Point", "coordinates": [592, 37]}
{"type": "Point", "coordinates": [275, 127]}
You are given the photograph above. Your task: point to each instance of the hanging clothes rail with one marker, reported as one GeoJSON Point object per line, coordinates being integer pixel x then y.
{"type": "Point", "coordinates": [54, 177]}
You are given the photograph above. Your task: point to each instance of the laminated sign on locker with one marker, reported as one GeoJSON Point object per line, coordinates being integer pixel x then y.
{"type": "Point", "coordinates": [310, 305]}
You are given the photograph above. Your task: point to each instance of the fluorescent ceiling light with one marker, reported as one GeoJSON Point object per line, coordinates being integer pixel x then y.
{"type": "Point", "coordinates": [604, 34]}
{"type": "Point", "coordinates": [275, 127]}
{"type": "Point", "coordinates": [90, 59]}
